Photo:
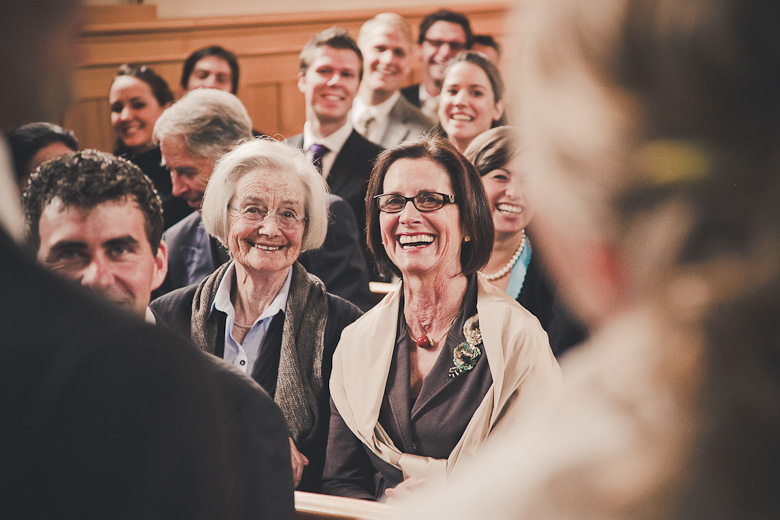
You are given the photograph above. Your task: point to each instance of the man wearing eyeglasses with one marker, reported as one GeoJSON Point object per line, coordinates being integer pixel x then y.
{"type": "Point", "coordinates": [443, 35]}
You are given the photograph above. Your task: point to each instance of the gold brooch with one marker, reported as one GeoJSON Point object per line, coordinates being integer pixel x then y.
{"type": "Point", "coordinates": [465, 356]}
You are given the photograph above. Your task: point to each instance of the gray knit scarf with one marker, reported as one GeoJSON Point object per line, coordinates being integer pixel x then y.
{"type": "Point", "coordinates": [300, 363]}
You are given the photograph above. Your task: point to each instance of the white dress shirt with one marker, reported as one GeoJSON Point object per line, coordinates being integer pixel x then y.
{"type": "Point", "coordinates": [243, 355]}
{"type": "Point", "coordinates": [380, 113]}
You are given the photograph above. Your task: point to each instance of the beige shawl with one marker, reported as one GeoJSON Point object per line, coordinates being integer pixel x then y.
{"type": "Point", "coordinates": [524, 370]}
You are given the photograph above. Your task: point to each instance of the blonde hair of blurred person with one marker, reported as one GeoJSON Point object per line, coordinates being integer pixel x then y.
{"type": "Point", "coordinates": [653, 125]}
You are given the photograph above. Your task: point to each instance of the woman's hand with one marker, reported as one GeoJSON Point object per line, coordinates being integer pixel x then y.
{"type": "Point", "coordinates": [404, 489]}
{"type": "Point", "coordinates": [299, 460]}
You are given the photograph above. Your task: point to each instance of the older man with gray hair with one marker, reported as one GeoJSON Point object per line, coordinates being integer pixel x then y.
{"type": "Point", "coordinates": [379, 111]}
{"type": "Point", "coordinates": [193, 134]}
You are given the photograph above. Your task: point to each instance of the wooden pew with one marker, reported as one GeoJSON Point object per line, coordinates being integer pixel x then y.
{"type": "Point", "coordinates": [311, 506]}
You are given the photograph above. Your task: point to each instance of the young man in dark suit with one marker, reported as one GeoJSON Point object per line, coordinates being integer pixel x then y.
{"type": "Point", "coordinates": [331, 67]}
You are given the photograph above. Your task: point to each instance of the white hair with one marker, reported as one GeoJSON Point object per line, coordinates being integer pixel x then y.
{"type": "Point", "coordinates": [210, 121]}
{"type": "Point", "coordinates": [267, 155]}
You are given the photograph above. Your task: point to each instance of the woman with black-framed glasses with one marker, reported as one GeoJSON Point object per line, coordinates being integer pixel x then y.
{"type": "Point", "coordinates": [261, 311]}
{"type": "Point", "coordinates": [421, 381]}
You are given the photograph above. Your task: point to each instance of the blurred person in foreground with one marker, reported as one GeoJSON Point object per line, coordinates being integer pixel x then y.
{"type": "Point", "coordinates": [423, 380]}
{"type": "Point", "coordinates": [105, 416]}
{"type": "Point", "coordinates": [654, 126]}
{"type": "Point", "coordinates": [262, 312]}
{"type": "Point", "coordinates": [513, 266]}
{"type": "Point", "coordinates": [96, 219]}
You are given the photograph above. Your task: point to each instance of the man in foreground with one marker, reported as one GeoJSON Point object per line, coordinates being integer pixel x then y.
{"type": "Point", "coordinates": [103, 416]}
{"type": "Point", "coordinates": [97, 220]}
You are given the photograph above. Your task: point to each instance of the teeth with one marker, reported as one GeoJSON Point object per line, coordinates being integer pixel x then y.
{"type": "Point", "coordinates": [268, 248]}
{"type": "Point", "coordinates": [462, 117]}
{"type": "Point", "coordinates": [509, 208]}
{"type": "Point", "coordinates": [332, 96]}
{"type": "Point", "coordinates": [416, 240]}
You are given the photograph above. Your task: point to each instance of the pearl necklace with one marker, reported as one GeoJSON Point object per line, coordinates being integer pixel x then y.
{"type": "Point", "coordinates": [509, 265]}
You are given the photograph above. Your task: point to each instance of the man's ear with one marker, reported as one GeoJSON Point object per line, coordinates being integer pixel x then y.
{"type": "Point", "coordinates": [160, 265]}
{"type": "Point", "coordinates": [301, 81]}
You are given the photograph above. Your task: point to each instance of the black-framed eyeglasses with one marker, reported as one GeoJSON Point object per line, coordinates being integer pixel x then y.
{"type": "Point", "coordinates": [285, 218]}
{"type": "Point", "coordinates": [454, 46]}
{"type": "Point", "coordinates": [424, 201]}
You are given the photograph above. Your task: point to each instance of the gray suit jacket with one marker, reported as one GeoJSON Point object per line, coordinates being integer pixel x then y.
{"type": "Point", "coordinates": [405, 122]}
{"type": "Point", "coordinates": [339, 263]}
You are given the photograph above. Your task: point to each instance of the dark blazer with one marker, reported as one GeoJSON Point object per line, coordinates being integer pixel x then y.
{"type": "Point", "coordinates": [339, 263]}
{"type": "Point", "coordinates": [405, 122]}
{"type": "Point", "coordinates": [348, 178]}
{"type": "Point", "coordinates": [150, 162]}
{"type": "Point", "coordinates": [175, 309]}
{"type": "Point", "coordinates": [539, 298]}
{"type": "Point", "coordinates": [412, 94]}
{"type": "Point", "coordinates": [105, 416]}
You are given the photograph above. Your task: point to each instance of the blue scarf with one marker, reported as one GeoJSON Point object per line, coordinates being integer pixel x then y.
{"type": "Point", "coordinates": [517, 277]}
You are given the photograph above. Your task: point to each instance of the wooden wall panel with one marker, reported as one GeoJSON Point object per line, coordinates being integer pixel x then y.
{"type": "Point", "coordinates": [267, 47]}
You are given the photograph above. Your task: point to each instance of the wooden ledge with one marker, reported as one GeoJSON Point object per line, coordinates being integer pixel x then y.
{"type": "Point", "coordinates": [310, 506]}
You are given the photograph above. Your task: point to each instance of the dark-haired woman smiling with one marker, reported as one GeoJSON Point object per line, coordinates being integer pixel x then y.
{"type": "Point", "coordinates": [137, 97]}
{"type": "Point", "coordinates": [422, 381]}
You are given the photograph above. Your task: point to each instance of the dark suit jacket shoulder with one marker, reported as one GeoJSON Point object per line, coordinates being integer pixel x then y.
{"type": "Point", "coordinates": [108, 416]}
{"type": "Point", "coordinates": [192, 254]}
{"type": "Point", "coordinates": [412, 94]}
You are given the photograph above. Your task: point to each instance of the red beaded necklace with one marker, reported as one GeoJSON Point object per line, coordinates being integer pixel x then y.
{"type": "Point", "coordinates": [423, 341]}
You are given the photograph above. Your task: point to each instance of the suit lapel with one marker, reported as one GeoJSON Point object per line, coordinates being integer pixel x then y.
{"type": "Point", "coordinates": [341, 172]}
{"type": "Point", "coordinates": [398, 393]}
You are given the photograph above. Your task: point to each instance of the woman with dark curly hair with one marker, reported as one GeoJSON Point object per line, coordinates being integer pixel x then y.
{"type": "Point", "coordinates": [425, 378]}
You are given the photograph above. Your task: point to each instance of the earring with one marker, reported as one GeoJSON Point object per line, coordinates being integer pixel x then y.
{"type": "Point", "coordinates": [467, 238]}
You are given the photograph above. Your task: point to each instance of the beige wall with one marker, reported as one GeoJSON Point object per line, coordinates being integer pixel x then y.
{"type": "Point", "coordinates": [205, 8]}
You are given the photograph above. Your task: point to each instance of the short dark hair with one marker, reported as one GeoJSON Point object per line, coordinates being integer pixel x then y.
{"type": "Point", "coordinates": [488, 41]}
{"type": "Point", "coordinates": [475, 218]}
{"type": "Point", "coordinates": [86, 179]}
{"type": "Point", "coordinates": [205, 52]}
{"type": "Point", "coordinates": [445, 15]}
{"type": "Point", "coordinates": [491, 71]}
{"type": "Point", "coordinates": [336, 37]}
{"type": "Point", "coordinates": [29, 139]}
{"type": "Point", "coordinates": [493, 149]}
{"type": "Point", "coordinates": [160, 90]}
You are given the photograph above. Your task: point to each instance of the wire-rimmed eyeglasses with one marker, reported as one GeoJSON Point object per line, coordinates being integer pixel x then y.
{"type": "Point", "coordinates": [285, 218]}
{"type": "Point", "coordinates": [424, 201]}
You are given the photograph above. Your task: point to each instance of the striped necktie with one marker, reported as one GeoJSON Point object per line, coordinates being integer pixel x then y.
{"type": "Point", "coordinates": [318, 151]}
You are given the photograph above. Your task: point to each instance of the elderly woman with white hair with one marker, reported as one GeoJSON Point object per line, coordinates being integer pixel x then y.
{"type": "Point", "coordinates": [262, 312]}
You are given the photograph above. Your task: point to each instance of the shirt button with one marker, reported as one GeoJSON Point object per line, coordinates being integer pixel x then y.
{"type": "Point", "coordinates": [242, 362]}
